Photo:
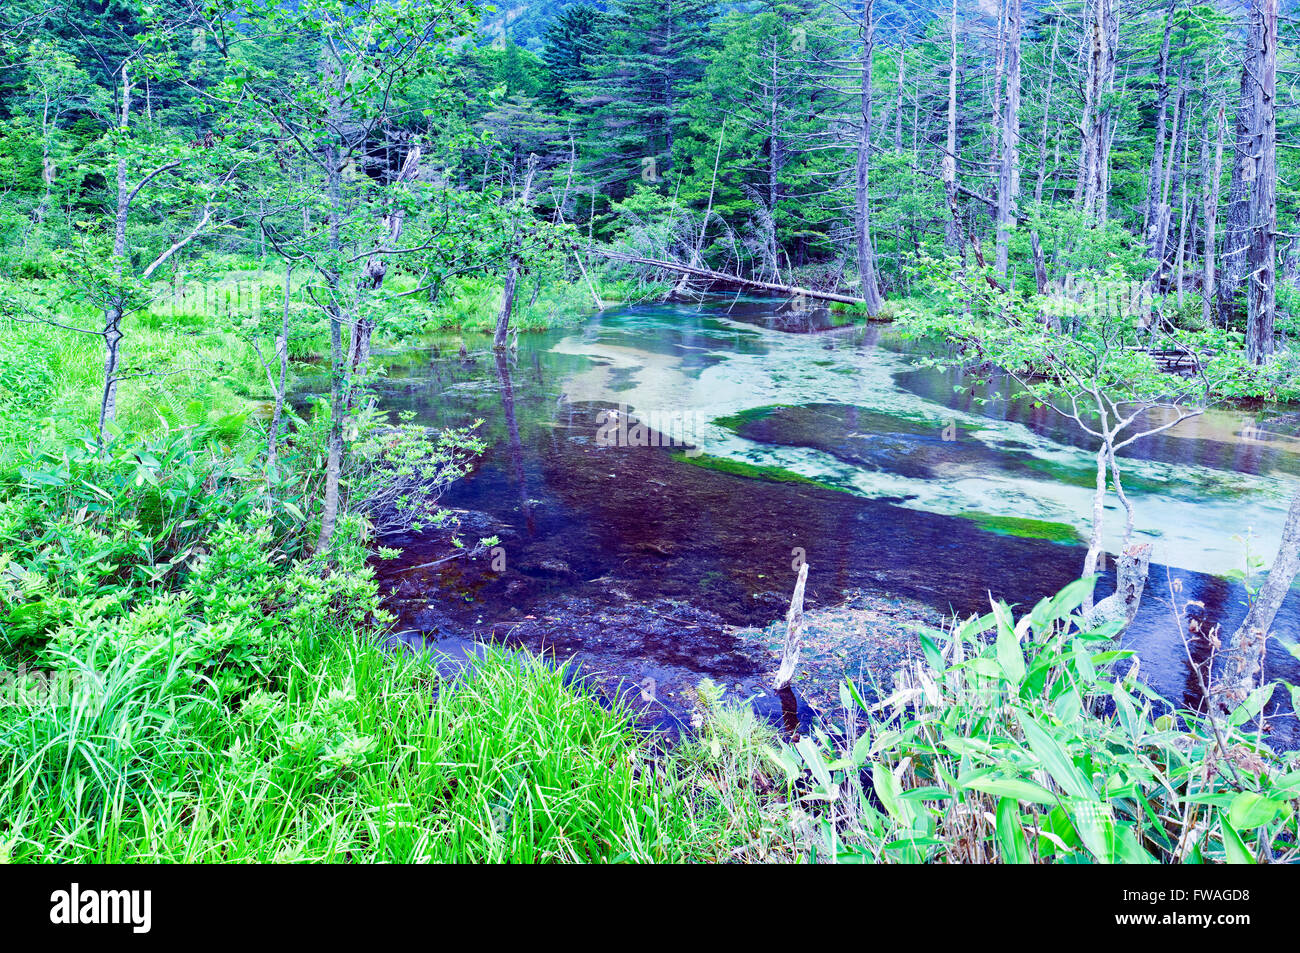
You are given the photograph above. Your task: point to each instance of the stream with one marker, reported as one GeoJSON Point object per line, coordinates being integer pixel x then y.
{"type": "Point", "coordinates": [657, 565]}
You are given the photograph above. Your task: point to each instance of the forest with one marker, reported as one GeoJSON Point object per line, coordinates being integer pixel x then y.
{"type": "Point", "coordinates": [690, 431]}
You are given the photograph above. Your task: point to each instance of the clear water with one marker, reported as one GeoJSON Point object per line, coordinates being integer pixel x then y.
{"type": "Point", "coordinates": [908, 471]}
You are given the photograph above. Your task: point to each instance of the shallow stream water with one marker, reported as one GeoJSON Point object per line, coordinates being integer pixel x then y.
{"type": "Point", "coordinates": [796, 439]}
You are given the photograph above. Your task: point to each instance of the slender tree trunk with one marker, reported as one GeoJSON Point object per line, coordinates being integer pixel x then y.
{"type": "Point", "coordinates": [898, 109]}
{"type": "Point", "coordinates": [1040, 271]}
{"type": "Point", "coordinates": [1169, 185]}
{"type": "Point", "coordinates": [114, 313]}
{"type": "Point", "coordinates": [948, 169]}
{"type": "Point", "coordinates": [793, 633]}
{"type": "Point", "coordinates": [333, 76]}
{"type": "Point", "coordinates": [376, 267]}
{"type": "Point", "coordinates": [47, 161]}
{"type": "Point", "coordinates": [1151, 206]}
{"type": "Point", "coordinates": [775, 160]}
{"type": "Point", "coordinates": [1047, 113]}
{"type": "Point", "coordinates": [1236, 234]}
{"type": "Point", "coordinates": [1210, 213]}
{"type": "Point", "coordinates": [1094, 168]}
{"type": "Point", "coordinates": [866, 253]}
{"type": "Point", "coordinates": [713, 185]}
{"type": "Point", "coordinates": [1009, 176]}
{"type": "Point", "coordinates": [282, 355]}
{"type": "Point", "coordinates": [1180, 250]}
{"type": "Point", "coordinates": [1261, 301]}
{"type": "Point", "coordinates": [1095, 551]}
{"type": "Point", "coordinates": [512, 273]}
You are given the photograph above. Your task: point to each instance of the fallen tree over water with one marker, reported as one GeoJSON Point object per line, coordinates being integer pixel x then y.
{"type": "Point", "coordinates": [710, 275]}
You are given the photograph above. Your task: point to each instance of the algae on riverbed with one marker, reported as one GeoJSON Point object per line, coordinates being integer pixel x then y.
{"type": "Point", "coordinates": [752, 471]}
{"type": "Point", "coordinates": [1026, 528]}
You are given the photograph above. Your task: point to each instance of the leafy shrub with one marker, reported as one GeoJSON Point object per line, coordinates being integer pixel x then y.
{"type": "Point", "coordinates": [397, 473]}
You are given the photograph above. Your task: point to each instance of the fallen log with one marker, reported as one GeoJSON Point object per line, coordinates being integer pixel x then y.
{"type": "Point", "coordinates": [709, 275]}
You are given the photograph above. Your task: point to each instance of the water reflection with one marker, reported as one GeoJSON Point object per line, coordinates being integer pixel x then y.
{"type": "Point", "coordinates": [512, 432]}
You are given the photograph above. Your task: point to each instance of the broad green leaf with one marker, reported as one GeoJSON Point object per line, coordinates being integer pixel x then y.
{"type": "Point", "coordinates": [1011, 833]}
{"type": "Point", "coordinates": [888, 790]}
{"type": "Point", "coordinates": [1056, 760]}
{"type": "Point", "coordinates": [1083, 662]}
{"type": "Point", "coordinates": [1071, 597]}
{"type": "Point", "coordinates": [1235, 851]}
{"type": "Point", "coordinates": [1252, 706]}
{"type": "Point", "coordinates": [1010, 657]}
{"type": "Point", "coordinates": [1026, 791]}
{"type": "Point", "coordinates": [812, 757]}
{"type": "Point", "coordinates": [1250, 810]}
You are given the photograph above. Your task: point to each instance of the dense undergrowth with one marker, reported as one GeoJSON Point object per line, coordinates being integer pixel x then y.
{"type": "Point", "coordinates": [186, 681]}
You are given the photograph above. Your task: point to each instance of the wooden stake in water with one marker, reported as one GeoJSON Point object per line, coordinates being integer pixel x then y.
{"type": "Point", "coordinates": [793, 632]}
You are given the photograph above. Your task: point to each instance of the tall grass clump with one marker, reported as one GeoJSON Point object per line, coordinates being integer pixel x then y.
{"type": "Point", "coordinates": [349, 755]}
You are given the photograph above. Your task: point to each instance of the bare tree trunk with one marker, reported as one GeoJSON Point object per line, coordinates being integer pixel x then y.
{"type": "Point", "coordinates": [393, 218]}
{"type": "Point", "coordinates": [1094, 168]}
{"type": "Point", "coordinates": [898, 109]}
{"type": "Point", "coordinates": [1094, 554]}
{"type": "Point", "coordinates": [1131, 569]}
{"type": "Point", "coordinates": [866, 253]}
{"type": "Point", "coordinates": [775, 160]}
{"type": "Point", "coordinates": [48, 167]}
{"type": "Point", "coordinates": [713, 185]}
{"type": "Point", "coordinates": [1047, 113]}
{"type": "Point", "coordinates": [948, 169]}
{"type": "Point", "coordinates": [376, 267]}
{"type": "Point", "coordinates": [333, 76]}
{"type": "Point", "coordinates": [1180, 250]}
{"type": "Point", "coordinates": [512, 274]}
{"type": "Point", "coordinates": [1261, 300]}
{"type": "Point", "coordinates": [1009, 177]}
{"type": "Point", "coordinates": [1040, 268]}
{"type": "Point", "coordinates": [1211, 216]}
{"type": "Point", "coordinates": [1236, 235]}
{"type": "Point", "coordinates": [1151, 205]}
{"type": "Point", "coordinates": [1169, 185]}
{"type": "Point", "coordinates": [793, 633]}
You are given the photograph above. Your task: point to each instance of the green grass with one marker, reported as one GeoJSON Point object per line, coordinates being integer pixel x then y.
{"type": "Point", "coordinates": [473, 304]}
{"type": "Point", "coordinates": [1086, 478]}
{"type": "Point", "coordinates": [865, 420]}
{"type": "Point", "coordinates": [350, 759]}
{"type": "Point", "coordinates": [734, 422]}
{"type": "Point", "coordinates": [188, 358]}
{"type": "Point", "coordinates": [171, 377]}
